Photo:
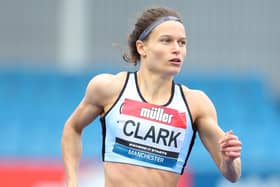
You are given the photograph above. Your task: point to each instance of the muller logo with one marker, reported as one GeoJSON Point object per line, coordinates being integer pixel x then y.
{"type": "Point", "coordinates": [155, 113]}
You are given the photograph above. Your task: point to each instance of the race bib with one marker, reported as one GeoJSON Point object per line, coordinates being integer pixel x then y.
{"type": "Point", "coordinates": [150, 133]}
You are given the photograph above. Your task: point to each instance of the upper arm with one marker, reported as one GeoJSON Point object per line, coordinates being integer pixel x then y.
{"type": "Point", "coordinates": [205, 119]}
{"type": "Point", "coordinates": [92, 103]}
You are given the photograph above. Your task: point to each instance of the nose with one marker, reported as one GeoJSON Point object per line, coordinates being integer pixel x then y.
{"type": "Point", "coordinates": [175, 47]}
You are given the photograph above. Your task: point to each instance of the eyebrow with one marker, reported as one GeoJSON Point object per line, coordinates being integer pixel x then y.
{"type": "Point", "coordinates": [168, 35]}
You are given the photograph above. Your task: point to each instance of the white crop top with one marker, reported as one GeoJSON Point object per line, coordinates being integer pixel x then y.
{"type": "Point", "coordinates": [139, 133]}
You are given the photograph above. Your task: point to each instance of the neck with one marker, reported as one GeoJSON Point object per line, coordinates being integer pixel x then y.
{"type": "Point", "coordinates": [155, 88]}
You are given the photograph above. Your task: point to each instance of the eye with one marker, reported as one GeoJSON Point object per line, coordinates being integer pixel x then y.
{"type": "Point", "coordinates": [182, 43]}
{"type": "Point", "coordinates": [165, 40]}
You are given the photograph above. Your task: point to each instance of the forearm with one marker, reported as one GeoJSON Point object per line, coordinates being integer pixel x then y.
{"type": "Point", "coordinates": [231, 169]}
{"type": "Point", "coordinates": [71, 151]}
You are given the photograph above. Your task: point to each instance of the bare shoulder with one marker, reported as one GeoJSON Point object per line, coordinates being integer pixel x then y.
{"type": "Point", "coordinates": [104, 86]}
{"type": "Point", "coordinates": [197, 96]}
{"type": "Point", "coordinates": [200, 104]}
{"type": "Point", "coordinates": [104, 80]}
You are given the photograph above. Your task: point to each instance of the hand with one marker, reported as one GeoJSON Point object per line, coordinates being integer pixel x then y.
{"type": "Point", "coordinates": [230, 146]}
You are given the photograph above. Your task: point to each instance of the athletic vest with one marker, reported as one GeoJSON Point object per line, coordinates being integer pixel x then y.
{"type": "Point", "coordinates": [139, 133]}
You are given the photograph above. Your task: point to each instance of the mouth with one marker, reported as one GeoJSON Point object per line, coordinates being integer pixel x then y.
{"type": "Point", "coordinates": [176, 61]}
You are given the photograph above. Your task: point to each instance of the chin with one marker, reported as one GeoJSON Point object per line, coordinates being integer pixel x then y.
{"type": "Point", "coordinates": [174, 71]}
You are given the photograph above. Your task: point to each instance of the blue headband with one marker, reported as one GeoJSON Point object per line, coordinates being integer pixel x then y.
{"type": "Point", "coordinates": [149, 29]}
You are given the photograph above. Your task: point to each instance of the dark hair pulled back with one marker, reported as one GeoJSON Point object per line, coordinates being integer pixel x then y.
{"type": "Point", "coordinates": [146, 19]}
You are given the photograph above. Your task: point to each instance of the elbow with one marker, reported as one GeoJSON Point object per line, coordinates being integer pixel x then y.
{"type": "Point", "coordinates": [70, 132]}
{"type": "Point", "coordinates": [233, 178]}
{"type": "Point", "coordinates": [232, 172]}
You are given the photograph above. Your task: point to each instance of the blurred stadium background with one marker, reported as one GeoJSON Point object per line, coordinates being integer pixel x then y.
{"type": "Point", "coordinates": [49, 50]}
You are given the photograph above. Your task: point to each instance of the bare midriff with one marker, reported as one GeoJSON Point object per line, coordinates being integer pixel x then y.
{"type": "Point", "coordinates": [126, 175]}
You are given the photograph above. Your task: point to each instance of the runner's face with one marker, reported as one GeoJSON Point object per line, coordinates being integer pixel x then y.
{"type": "Point", "coordinates": [166, 47]}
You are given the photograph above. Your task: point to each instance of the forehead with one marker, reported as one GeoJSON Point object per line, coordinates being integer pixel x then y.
{"type": "Point", "coordinates": [172, 28]}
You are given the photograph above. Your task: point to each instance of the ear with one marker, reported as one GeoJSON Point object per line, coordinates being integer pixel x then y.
{"type": "Point", "coordinates": [140, 46]}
